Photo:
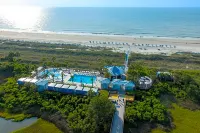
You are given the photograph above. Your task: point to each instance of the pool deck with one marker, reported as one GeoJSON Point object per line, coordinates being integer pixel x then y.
{"type": "Point", "coordinates": [67, 77]}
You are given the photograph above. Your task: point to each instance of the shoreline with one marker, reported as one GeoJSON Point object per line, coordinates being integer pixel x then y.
{"type": "Point", "coordinates": [119, 43]}
{"type": "Point", "coordinates": [97, 34]}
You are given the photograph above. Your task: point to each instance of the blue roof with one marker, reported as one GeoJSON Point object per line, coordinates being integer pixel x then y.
{"type": "Point", "coordinates": [115, 70]}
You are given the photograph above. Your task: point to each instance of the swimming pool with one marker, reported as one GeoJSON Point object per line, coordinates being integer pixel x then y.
{"type": "Point", "coordinates": [83, 79]}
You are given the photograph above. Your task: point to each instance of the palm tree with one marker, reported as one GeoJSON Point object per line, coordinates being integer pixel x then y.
{"type": "Point", "coordinates": [72, 78]}
{"type": "Point", "coordinates": [92, 79]}
{"type": "Point", "coordinates": [46, 74]}
{"type": "Point", "coordinates": [81, 82]}
{"type": "Point", "coordinates": [62, 74]}
{"type": "Point", "coordinates": [53, 76]}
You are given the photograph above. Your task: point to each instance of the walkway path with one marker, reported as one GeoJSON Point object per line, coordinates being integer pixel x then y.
{"type": "Point", "coordinates": [118, 118]}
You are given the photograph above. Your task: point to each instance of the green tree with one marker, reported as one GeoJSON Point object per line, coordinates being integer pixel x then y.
{"type": "Point", "coordinates": [62, 74]}
{"type": "Point", "coordinates": [101, 110]}
{"type": "Point", "coordinates": [72, 77]}
{"type": "Point", "coordinates": [138, 70]}
{"type": "Point", "coordinates": [53, 76]}
{"type": "Point", "coordinates": [92, 80]}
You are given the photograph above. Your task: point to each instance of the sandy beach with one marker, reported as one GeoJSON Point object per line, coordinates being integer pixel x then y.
{"type": "Point", "coordinates": [140, 44]}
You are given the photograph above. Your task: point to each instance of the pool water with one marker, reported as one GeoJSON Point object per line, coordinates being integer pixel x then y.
{"type": "Point", "coordinates": [83, 79]}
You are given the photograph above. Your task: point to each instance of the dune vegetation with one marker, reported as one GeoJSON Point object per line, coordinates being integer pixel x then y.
{"type": "Point", "coordinates": [185, 120]}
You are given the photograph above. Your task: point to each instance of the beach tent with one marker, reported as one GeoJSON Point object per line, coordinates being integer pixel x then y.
{"type": "Point", "coordinates": [51, 86]}
{"type": "Point", "coordinates": [42, 85]}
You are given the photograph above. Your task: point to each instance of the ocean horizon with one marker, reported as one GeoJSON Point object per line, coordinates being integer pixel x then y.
{"type": "Point", "coordinates": [145, 22]}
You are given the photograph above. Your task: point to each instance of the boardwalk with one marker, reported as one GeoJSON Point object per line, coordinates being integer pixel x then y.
{"type": "Point", "coordinates": [118, 119]}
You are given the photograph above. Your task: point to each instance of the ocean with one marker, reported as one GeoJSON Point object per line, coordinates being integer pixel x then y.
{"type": "Point", "coordinates": [152, 22]}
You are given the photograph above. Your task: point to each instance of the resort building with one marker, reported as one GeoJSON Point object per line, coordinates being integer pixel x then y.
{"type": "Point", "coordinates": [51, 86]}
{"type": "Point", "coordinates": [121, 85]}
{"type": "Point", "coordinates": [79, 90]}
{"type": "Point", "coordinates": [21, 81]}
{"type": "Point", "coordinates": [116, 72]}
{"type": "Point", "coordinates": [58, 86]}
{"type": "Point", "coordinates": [86, 90]}
{"type": "Point", "coordinates": [145, 83]}
{"type": "Point", "coordinates": [71, 90]}
{"type": "Point", "coordinates": [65, 90]}
{"type": "Point", "coordinates": [34, 81]}
{"type": "Point", "coordinates": [103, 83]}
{"type": "Point", "coordinates": [42, 85]}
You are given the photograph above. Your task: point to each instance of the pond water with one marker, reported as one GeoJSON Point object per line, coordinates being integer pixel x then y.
{"type": "Point", "coordinates": [8, 126]}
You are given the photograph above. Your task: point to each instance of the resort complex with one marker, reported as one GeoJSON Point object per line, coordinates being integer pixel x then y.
{"type": "Point", "coordinates": [69, 81]}
{"type": "Point", "coordinates": [77, 82]}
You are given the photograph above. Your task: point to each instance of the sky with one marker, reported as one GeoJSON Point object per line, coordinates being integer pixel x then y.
{"type": "Point", "coordinates": [102, 3]}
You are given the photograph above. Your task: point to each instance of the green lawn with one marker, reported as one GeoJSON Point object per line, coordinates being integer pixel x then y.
{"type": "Point", "coordinates": [41, 126]}
{"type": "Point", "coordinates": [186, 121]}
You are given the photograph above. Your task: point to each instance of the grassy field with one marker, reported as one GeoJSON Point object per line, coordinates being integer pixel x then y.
{"type": "Point", "coordinates": [41, 126]}
{"type": "Point", "coordinates": [186, 121]}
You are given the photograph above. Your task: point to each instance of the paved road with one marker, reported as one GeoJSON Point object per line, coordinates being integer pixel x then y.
{"type": "Point", "coordinates": [118, 119]}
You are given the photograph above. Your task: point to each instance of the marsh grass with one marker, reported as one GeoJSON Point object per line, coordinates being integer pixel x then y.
{"type": "Point", "coordinates": [41, 126]}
